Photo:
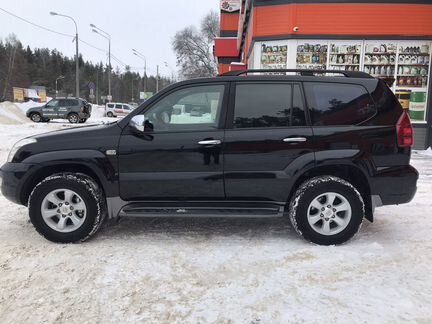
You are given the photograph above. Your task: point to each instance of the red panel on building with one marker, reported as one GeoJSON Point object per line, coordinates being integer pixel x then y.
{"type": "Point", "coordinates": [226, 47]}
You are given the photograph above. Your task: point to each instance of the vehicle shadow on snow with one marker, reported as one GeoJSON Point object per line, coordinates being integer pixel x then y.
{"type": "Point", "coordinates": [201, 228]}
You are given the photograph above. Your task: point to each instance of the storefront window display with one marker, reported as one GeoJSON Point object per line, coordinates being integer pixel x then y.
{"type": "Point", "coordinates": [274, 56]}
{"type": "Point", "coordinates": [345, 56]}
{"type": "Point", "coordinates": [312, 55]}
{"type": "Point", "coordinates": [380, 59]}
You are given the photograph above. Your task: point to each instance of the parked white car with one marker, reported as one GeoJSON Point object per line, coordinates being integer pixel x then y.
{"type": "Point", "coordinates": [114, 109]}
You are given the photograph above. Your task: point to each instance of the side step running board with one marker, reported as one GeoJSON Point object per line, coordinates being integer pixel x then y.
{"type": "Point", "coordinates": [201, 210]}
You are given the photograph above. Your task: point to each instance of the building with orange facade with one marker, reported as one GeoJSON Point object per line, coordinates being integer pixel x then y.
{"type": "Point", "coordinates": [387, 39]}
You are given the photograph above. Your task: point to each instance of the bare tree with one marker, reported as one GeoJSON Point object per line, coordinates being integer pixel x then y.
{"type": "Point", "coordinates": [194, 48]}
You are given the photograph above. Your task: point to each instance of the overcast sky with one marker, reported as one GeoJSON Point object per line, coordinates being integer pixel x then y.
{"type": "Point", "coordinates": [148, 26]}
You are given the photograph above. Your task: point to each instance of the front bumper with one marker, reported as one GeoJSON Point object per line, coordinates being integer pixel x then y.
{"type": "Point", "coordinates": [13, 177]}
{"type": "Point", "coordinates": [395, 185]}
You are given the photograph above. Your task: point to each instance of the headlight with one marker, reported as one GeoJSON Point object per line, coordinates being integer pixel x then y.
{"type": "Point", "coordinates": [18, 145]}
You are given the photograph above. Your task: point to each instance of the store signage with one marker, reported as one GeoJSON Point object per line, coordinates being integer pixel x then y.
{"type": "Point", "coordinates": [230, 5]}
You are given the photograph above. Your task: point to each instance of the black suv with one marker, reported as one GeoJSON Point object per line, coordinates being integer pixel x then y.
{"type": "Point", "coordinates": [324, 149]}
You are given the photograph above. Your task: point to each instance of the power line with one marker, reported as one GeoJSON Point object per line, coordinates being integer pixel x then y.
{"type": "Point", "coordinates": [36, 25]}
{"type": "Point", "coordinates": [59, 33]}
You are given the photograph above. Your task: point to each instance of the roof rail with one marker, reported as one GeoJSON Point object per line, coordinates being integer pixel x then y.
{"type": "Point", "coordinates": [348, 74]}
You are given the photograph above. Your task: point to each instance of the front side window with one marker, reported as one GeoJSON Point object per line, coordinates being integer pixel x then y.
{"type": "Point", "coordinates": [53, 103]}
{"type": "Point", "coordinates": [338, 104]}
{"type": "Point", "coordinates": [194, 108]}
{"type": "Point", "coordinates": [268, 105]}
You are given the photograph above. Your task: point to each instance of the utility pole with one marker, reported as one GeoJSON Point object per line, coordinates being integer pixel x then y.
{"type": "Point", "coordinates": [132, 89]}
{"type": "Point", "coordinates": [141, 56]}
{"type": "Point", "coordinates": [59, 78]}
{"type": "Point", "coordinates": [107, 36]}
{"type": "Point", "coordinates": [157, 78]}
{"type": "Point", "coordinates": [77, 89]}
{"type": "Point", "coordinates": [97, 86]}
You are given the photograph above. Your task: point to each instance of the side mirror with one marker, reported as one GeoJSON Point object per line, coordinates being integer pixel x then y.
{"type": "Point", "coordinates": [137, 123]}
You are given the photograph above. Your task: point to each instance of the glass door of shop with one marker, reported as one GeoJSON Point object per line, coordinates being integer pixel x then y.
{"type": "Point", "coordinates": [412, 77]}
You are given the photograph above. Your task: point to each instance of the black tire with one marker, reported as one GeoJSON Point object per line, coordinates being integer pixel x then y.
{"type": "Point", "coordinates": [82, 120]}
{"type": "Point", "coordinates": [46, 120]}
{"type": "Point", "coordinates": [73, 118]}
{"type": "Point", "coordinates": [35, 117]}
{"type": "Point", "coordinates": [110, 114]}
{"type": "Point", "coordinates": [317, 187]}
{"type": "Point", "coordinates": [86, 188]}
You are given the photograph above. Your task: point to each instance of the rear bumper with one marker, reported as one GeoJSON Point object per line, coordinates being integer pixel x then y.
{"type": "Point", "coordinates": [83, 115]}
{"type": "Point", "coordinates": [395, 185]}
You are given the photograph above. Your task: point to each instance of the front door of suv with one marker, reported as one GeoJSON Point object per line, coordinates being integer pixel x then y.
{"type": "Point", "coordinates": [178, 156]}
{"type": "Point", "coordinates": [267, 140]}
{"type": "Point", "coordinates": [50, 110]}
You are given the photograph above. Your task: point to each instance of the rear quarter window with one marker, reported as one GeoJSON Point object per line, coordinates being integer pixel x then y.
{"type": "Point", "coordinates": [110, 105]}
{"type": "Point", "coordinates": [338, 103]}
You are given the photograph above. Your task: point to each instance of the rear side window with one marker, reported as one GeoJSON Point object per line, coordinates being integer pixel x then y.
{"type": "Point", "coordinates": [73, 102]}
{"type": "Point", "coordinates": [338, 104]}
{"type": "Point", "coordinates": [118, 106]}
{"type": "Point", "coordinates": [268, 105]}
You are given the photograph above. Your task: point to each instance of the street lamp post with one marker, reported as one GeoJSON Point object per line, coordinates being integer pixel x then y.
{"type": "Point", "coordinates": [107, 36]}
{"type": "Point", "coordinates": [77, 90]}
{"type": "Point", "coordinates": [59, 78]}
{"type": "Point", "coordinates": [172, 71]}
{"type": "Point", "coordinates": [141, 56]}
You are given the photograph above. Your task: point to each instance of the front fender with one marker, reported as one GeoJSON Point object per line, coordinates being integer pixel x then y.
{"type": "Point", "coordinates": [104, 167]}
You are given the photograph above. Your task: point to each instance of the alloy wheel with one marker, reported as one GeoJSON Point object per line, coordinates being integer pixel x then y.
{"type": "Point", "coordinates": [329, 213]}
{"type": "Point", "coordinates": [63, 210]}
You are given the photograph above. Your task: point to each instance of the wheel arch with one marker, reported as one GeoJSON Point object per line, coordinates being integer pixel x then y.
{"type": "Point", "coordinates": [64, 167]}
{"type": "Point", "coordinates": [348, 172]}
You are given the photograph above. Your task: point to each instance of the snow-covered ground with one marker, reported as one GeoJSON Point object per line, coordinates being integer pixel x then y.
{"type": "Point", "coordinates": [218, 270]}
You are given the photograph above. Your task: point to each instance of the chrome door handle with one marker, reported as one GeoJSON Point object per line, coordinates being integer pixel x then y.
{"type": "Point", "coordinates": [210, 142]}
{"type": "Point", "coordinates": [294, 139]}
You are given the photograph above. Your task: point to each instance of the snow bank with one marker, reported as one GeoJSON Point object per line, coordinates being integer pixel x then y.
{"type": "Point", "coordinates": [98, 111]}
{"type": "Point", "coordinates": [10, 114]}
{"type": "Point", "coordinates": [24, 106]}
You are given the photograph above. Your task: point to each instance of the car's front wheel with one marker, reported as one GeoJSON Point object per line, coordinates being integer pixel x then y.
{"type": "Point", "coordinates": [82, 120]}
{"type": "Point", "coordinates": [36, 117]}
{"type": "Point", "coordinates": [67, 208]}
{"type": "Point", "coordinates": [327, 210]}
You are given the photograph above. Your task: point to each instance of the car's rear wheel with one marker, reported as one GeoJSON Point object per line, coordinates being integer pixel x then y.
{"type": "Point", "coordinates": [110, 114]}
{"type": "Point", "coordinates": [36, 117]}
{"type": "Point", "coordinates": [82, 120]}
{"type": "Point", "coordinates": [73, 118]}
{"type": "Point", "coordinates": [327, 210]}
{"type": "Point", "coordinates": [67, 208]}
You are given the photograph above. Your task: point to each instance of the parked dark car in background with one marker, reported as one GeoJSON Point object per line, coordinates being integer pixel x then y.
{"type": "Point", "coordinates": [74, 110]}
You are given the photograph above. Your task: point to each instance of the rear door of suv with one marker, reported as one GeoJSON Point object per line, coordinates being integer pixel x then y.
{"type": "Point", "coordinates": [341, 118]}
{"type": "Point", "coordinates": [267, 139]}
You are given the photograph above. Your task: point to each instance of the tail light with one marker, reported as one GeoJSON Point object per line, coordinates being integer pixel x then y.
{"type": "Point", "coordinates": [404, 131]}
